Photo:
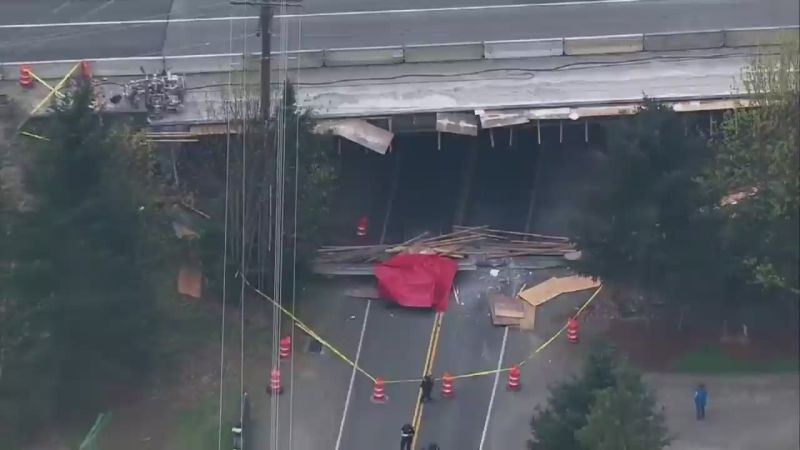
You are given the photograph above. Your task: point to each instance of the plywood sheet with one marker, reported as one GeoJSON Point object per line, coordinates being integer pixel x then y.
{"type": "Point", "coordinates": [554, 287]}
{"type": "Point", "coordinates": [505, 306]}
{"type": "Point", "coordinates": [190, 282]}
{"type": "Point", "coordinates": [528, 322]}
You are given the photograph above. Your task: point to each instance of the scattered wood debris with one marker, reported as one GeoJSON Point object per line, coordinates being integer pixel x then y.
{"type": "Point", "coordinates": [554, 287]}
{"type": "Point", "coordinates": [505, 310]}
{"type": "Point", "coordinates": [461, 243]}
{"type": "Point", "coordinates": [190, 282]}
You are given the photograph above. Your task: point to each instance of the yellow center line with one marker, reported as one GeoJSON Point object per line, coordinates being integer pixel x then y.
{"type": "Point", "coordinates": [433, 347]}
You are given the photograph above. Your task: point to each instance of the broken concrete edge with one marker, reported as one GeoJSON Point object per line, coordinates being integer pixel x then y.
{"type": "Point", "coordinates": [442, 52]}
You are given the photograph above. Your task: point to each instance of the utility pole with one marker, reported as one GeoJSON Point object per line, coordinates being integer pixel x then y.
{"type": "Point", "coordinates": [266, 44]}
{"type": "Point", "coordinates": [265, 18]}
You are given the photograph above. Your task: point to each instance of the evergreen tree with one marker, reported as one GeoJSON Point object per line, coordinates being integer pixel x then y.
{"type": "Point", "coordinates": [643, 224]}
{"type": "Point", "coordinates": [80, 291]}
{"type": "Point", "coordinates": [757, 154]}
{"type": "Point", "coordinates": [554, 426]}
{"type": "Point", "coordinates": [624, 416]}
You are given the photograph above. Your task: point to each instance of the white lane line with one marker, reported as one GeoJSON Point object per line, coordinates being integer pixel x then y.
{"type": "Point", "coordinates": [494, 390]}
{"type": "Point", "coordinates": [353, 376]}
{"type": "Point", "coordinates": [309, 15]}
{"type": "Point", "coordinates": [105, 23]}
{"type": "Point", "coordinates": [61, 6]}
{"type": "Point", "coordinates": [97, 9]}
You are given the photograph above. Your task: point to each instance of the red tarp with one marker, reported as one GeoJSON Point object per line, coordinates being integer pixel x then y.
{"type": "Point", "coordinates": [417, 281]}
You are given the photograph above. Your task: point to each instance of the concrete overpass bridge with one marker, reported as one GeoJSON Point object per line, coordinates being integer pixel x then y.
{"type": "Point", "coordinates": [475, 64]}
{"type": "Point", "coordinates": [458, 87]}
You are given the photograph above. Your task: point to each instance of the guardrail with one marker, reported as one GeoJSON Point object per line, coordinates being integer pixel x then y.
{"type": "Point", "coordinates": [460, 51]}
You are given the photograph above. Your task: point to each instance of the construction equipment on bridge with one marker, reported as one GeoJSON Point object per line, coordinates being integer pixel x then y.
{"type": "Point", "coordinates": [462, 243]}
{"type": "Point", "coordinates": [158, 93]}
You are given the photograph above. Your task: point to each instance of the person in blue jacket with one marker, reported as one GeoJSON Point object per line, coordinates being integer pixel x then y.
{"type": "Point", "coordinates": [700, 400]}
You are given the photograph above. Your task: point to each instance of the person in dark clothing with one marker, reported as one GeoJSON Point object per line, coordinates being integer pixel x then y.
{"type": "Point", "coordinates": [427, 387]}
{"type": "Point", "coordinates": [700, 400]}
{"type": "Point", "coordinates": [406, 437]}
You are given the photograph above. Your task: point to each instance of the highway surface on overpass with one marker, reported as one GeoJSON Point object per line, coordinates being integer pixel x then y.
{"type": "Point", "coordinates": [151, 28]}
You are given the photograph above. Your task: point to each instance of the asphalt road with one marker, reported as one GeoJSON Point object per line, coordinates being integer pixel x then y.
{"type": "Point", "coordinates": [56, 11]}
{"type": "Point", "coordinates": [379, 29]}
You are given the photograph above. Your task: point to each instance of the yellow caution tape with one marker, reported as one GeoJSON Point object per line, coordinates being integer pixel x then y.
{"type": "Point", "coordinates": [431, 344]}
{"type": "Point", "coordinates": [521, 363]}
{"type": "Point", "coordinates": [53, 90]}
{"type": "Point", "coordinates": [311, 332]}
{"type": "Point", "coordinates": [35, 136]}
{"type": "Point", "coordinates": [553, 338]}
{"type": "Point", "coordinates": [46, 84]}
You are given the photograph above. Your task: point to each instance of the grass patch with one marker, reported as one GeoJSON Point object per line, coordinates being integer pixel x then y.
{"type": "Point", "coordinates": [197, 426]}
{"type": "Point", "coordinates": [713, 360]}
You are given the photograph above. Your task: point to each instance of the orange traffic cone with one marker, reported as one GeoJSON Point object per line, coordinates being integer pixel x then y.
{"type": "Point", "coordinates": [447, 386]}
{"type": "Point", "coordinates": [86, 70]}
{"type": "Point", "coordinates": [25, 77]}
{"type": "Point", "coordinates": [275, 387]}
{"type": "Point", "coordinates": [572, 331]}
{"type": "Point", "coordinates": [513, 379]}
{"type": "Point", "coordinates": [378, 393]}
{"type": "Point", "coordinates": [285, 348]}
{"type": "Point", "coordinates": [361, 228]}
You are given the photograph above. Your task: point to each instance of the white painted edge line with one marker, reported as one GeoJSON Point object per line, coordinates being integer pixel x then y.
{"type": "Point", "coordinates": [673, 33]}
{"type": "Point", "coordinates": [522, 41]}
{"type": "Point", "coordinates": [494, 390]}
{"type": "Point", "coordinates": [384, 47]}
{"type": "Point", "coordinates": [106, 23]}
{"type": "Point", "coordinates": [327, 14]}
{"type": "Point", "coordinates": [778, 27]}
{"type": "Point", "coordinates": [607, 36]}
{"type": "Point", "coordinates": [290, 53]}
{"type": "Point", "coordinates": [352, 377]}
{"type": "Point", "coordinates": [448, 44]}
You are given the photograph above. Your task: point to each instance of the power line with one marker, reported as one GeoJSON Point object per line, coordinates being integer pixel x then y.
{"type": "Point", "coordinates": [242, 261]}
{"type": "Point", "coordinates": [294, 242]}
{"type": "Point", "coordinates": [225, 247]}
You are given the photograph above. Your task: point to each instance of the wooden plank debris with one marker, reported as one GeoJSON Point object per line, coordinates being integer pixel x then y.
{"type": "Point", "coordinates": [554, 287]}
{"type": "Point", "coordinates": [190, 282]}
{"type": "Point", "coordinates": [505, 310]}
{"type": "Point", "coordinates": [529, 320]}
{"type": "Point", "coordinates": [462, 243]}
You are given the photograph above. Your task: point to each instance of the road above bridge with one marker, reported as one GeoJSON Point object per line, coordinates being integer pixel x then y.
{"type": "Point", "coordinates": [191, 29]}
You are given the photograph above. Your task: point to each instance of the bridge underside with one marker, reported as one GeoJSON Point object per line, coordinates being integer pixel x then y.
{"type": "Point", "coordinates": [370, 104]}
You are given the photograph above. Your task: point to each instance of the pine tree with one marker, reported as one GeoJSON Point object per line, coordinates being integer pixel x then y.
{"type": "Point", "coordinates": [757, 153]}
{"type": "Point", "coordinates": [554, 426]}
{"type": "Point", "coordinates": [81, 286]}
{"type": "Point", "coordinates": [642, 225]}
{"type": "Point", "coordinates": [624, 417]}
